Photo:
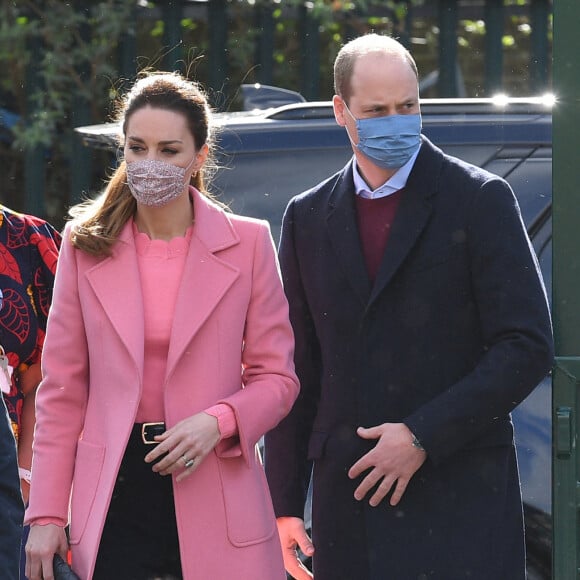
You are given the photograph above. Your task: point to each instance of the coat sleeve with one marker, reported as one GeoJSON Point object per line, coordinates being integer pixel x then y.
{"type": "Point", "coordinates": [514, 319]}
{"type": "Point", "coordinates": [46, 241]}
{"type": "Point", "coordinates": [286, 447]}
{"type": "Point", "coordinates": [270, 385]}
{"type": "Point", "coordinates": [62, 394]}
{"type": "Point", "coordinates": [11, 506]}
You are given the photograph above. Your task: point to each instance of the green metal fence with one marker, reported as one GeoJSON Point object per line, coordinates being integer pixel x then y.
{"type": "Point", "coordinates": [312, 58]}
{"type": "Point", "coordinates": [566, 299]}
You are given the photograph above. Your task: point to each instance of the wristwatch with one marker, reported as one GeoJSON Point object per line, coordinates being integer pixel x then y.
{"type": "Point", "coordinates": [416, 443]}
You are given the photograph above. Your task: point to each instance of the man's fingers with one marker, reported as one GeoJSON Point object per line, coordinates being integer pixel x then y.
{"type": "Point", "coordinates": [364, 463]}
{"type": "Point", "coordinates": [399, 491]}
{"type": "Point", "coordinates": [370, 433]}
{"type": "Point", "coordinates": [295, 567]}
{"type": "Point", "coordinates": [292, 562]}
{"type": "Point", "coordinates": [305, 543]}
{"type": "Point", "coordinates": [292, 536]}
{"type": "Point", "coordinates": [382, 490]}
{"type": "Point", "coordinates": [367, 484]}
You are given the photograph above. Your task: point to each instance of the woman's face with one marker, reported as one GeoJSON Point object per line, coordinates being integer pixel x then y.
{"type": "Point", "coordinates": [159, 134]}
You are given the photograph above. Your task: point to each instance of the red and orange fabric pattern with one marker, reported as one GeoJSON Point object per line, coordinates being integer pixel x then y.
{"type": "Point", "coordinates": [29, 249]}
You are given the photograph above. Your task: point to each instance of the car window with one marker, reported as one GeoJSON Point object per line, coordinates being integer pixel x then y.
{"type": "Point", "coordinates": [532, 182]}
{"type": "Point", "coordinates": [532, 417]}
{"type": "Point", "coordinates": [263, 182]}
{"type": "Point", "coordinates": [479, 155]}
{"type": "Point", "coordinates": [544, 253]}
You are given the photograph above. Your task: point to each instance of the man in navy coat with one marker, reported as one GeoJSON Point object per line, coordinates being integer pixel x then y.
{"type": "Point", "coordinates": [11, 505]}
{"type": "Point", "coordinates": [421, 321]}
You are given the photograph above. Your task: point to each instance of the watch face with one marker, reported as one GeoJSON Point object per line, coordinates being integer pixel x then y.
{"type": "Point", "coordinates": [416, 443]}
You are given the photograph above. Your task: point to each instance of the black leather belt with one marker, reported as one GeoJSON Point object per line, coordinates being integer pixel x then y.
{"type": "Point", "coordinates": [151, 430]}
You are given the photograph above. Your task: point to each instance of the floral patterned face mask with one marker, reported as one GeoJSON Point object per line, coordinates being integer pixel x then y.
{"type": "Point", "coordinates": [155, 183]}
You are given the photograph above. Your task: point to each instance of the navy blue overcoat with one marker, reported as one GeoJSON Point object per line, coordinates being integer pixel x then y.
{"type": "Point", "coordinates": [453, 334]}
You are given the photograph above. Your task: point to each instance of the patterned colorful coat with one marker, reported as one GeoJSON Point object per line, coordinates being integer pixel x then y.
{"type": "Point", "coordinates": [29, 249]}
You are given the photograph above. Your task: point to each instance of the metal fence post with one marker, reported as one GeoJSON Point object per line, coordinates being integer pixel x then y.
{"type": "Point", "coordinates": [218, 42]}
{"type": "Point", "coordinates": [127, 50]}
{"type": "Point", "coordinates": [566, 299]}
{"type": "Point", "coordinates": [540, 14]}
{"type": "Point", "coordinates": [493, 16]}
{"type": "Point", "coordinates": [310, 54]}
{"type": "Point", "coordinates": [264, 43]}
{"type": "Point", "coordinates": [172, 38]}
{"type": "Point", "coordinates": [408, 24]}
{"type": "Point", "coordinates": [447, 84]}
{"type": "Point", "coordinates": [80, 157]}
{"type": "Point", "coordinates": [34, 161]}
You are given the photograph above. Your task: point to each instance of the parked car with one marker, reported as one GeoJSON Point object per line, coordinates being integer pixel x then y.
{"type": "Point", "coordinates": [268, 155]}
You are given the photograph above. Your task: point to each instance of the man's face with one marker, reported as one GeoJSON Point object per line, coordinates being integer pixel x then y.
{"type": "Point", "coordinates": [381, 85]}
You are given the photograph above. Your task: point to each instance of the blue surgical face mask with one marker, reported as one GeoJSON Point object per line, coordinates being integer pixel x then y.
{"type": "Point", "coordinates": [390, 141]}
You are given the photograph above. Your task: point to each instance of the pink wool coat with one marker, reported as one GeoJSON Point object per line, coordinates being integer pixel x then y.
{"type": "Point", "coordinates": [231, 342]}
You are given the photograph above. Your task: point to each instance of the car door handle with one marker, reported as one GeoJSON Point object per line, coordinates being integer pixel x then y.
{"type": "Point", "coordinates": [563, 432]}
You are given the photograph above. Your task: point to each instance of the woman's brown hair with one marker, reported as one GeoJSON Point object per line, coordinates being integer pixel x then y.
{"type": "Point", "coordinates": [98, 222]}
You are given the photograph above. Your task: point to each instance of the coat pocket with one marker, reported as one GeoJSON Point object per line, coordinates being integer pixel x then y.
{"type": "Point", "coordinates": [249, 513]}
{"type": "Point", "coordinates": [88, 467]}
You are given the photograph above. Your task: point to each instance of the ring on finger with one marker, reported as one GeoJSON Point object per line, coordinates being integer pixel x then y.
{"type": "Point", "coordinates": [189, 463]}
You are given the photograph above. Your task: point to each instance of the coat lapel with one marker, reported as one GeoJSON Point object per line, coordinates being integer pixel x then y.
{"type": "Point", "coordinates": [344, 236]}
{"type": "Point", "coordinates": [206, 277]}
{"type": "Point", "coordinates": [116, 283]}
{"type": "Point", "coordinates": [412, 215]}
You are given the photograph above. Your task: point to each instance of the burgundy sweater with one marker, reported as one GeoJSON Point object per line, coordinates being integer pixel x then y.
{"type": "Point", "coordinates": [375, 217]}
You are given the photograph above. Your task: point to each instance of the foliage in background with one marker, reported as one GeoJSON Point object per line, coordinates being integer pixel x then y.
{"type": "Point", "coordinates": [75, 49]}
{"type": "Point", "coordinates": [71, 49]}
{"type": "Point", "coordinates": [57, 57]}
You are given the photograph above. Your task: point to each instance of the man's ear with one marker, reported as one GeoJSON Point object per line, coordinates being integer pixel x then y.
{"type": "Point", "coordinates": [339, 110]}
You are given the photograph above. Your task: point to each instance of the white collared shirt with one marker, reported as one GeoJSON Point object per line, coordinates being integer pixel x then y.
{"type": "Point", "coordinates": [393, 184]}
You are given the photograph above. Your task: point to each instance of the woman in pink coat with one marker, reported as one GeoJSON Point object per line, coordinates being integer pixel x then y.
{"type": "Point", "coordinates": [168, 355]}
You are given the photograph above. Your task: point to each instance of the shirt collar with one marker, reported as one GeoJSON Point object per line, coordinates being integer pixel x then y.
{"type": "Point", "coordinates": [393, 184]}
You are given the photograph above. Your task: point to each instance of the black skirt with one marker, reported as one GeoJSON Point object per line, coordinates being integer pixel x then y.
{"type": "Point", "coordinates": [139, 540]}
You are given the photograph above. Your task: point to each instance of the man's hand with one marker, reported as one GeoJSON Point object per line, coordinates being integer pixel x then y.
{"type": "Point", "coordinates": [292, 535]}
{"type": "Point", "coordinates": [392, 462]}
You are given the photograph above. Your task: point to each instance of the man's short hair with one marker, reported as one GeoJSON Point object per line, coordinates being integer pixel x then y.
{"type": "Point", "coordinates": [368, 43]}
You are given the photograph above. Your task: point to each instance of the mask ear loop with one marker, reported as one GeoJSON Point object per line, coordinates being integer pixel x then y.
{"type": "Point", "coordinates": [356, 124]}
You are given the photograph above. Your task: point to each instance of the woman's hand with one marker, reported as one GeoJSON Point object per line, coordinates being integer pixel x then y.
{"type": "Point", "coordinates": [43, 543]}
{"type": "Point", "coordinates": [186, 444]}
{"type": "Point", "coordinates": [30, 379]}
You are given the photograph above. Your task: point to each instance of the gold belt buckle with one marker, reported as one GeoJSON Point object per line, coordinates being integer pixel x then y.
{"type": "Point", "coordinates": [145, 427]}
